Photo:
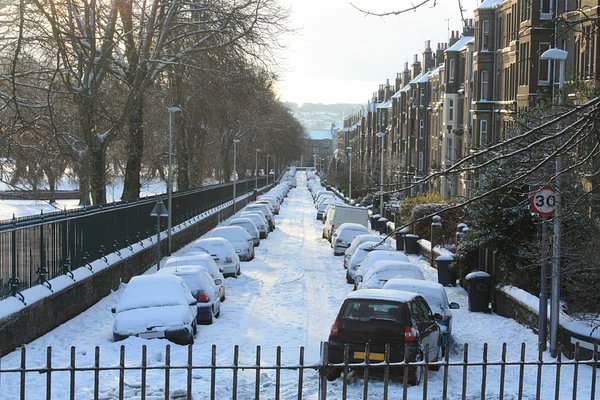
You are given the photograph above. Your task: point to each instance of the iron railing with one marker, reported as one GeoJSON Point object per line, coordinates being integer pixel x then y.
{"type": "Point", "coordinates": [35, 249]}
{"type": "Point", "coordinates": [181, 372]}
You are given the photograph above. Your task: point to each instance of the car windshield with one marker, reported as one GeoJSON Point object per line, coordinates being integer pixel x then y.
{"type": "Point", "coordinates": [365, 310]}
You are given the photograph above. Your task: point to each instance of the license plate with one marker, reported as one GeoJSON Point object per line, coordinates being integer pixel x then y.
{"type": "Point", "coordinates": [372, 356]}
{"type": "Point", "coordinates": [151, 335]}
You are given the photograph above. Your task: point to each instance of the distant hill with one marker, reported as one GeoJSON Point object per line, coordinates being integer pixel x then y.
{"type": "Point", "coordinates": [316, 116]}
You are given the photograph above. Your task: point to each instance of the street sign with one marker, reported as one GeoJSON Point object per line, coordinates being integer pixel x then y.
{"type": "Point", "coordinates": [159, 210]}
{"type": "Point", "coordinates": [544, 201]}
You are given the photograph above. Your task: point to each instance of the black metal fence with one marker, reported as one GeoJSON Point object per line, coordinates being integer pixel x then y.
{"type": "Point", "coordinates": [195, 372]}
{"type": "Point", "coordinates": [35, 249]}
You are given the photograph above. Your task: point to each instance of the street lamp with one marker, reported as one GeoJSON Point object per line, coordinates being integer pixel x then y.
{"type": "Point", "coordinates": [349, 149]}
{"type": "Point", "coordinates": [382, 136]}
{"type": "Point", "coordinates": [267, 169]}
{"type": "Point", "coordinates": [561, 56]}
{"type": "Point", "coordinates": [171, 110]}
{"type": "Point", "coordinates": [235, 142]}
{"type": "Point", "coordinates": [256, 170]}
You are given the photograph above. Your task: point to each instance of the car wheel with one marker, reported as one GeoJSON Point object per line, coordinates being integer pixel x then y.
{"type": "Point", "coordinates": [332, 373]}
{"type": "Point", "coordinates": [348, 278]}
{"type": "Point", "coordinates": [414, 373]}
{"type": "Point", "coordinates": [238, 272]}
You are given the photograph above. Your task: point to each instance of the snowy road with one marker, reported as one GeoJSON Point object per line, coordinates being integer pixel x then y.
{"type": "Point", "coordinates": [287, 296]}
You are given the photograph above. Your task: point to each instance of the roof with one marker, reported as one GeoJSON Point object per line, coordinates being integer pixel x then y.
{"type": "Point", "coordinates": [462, 42]}
{"type": "Point", "coordinates": [319, 134]}
{"type": "Point", "coordinates": [489, 4]}
{"type": "Point", "coordinates": [382, 294]}
{"type": "Point", "coordinates": [385, 104]}
{"type": "Point", "coordinates": [424, 78]}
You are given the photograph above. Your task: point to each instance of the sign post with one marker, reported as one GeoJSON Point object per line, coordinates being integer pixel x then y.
{"type": "Point", "coordinates": [158, 211]}
{"type": "Point", "coordinates": [543, 202]}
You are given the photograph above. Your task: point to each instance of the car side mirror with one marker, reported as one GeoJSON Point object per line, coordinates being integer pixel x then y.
{"type": "Point", "coordinates": [218, 282]}
{"type": "Point", "coordinates": [113, 310]}
{"type": "Point", "coordinates": [221, 269]}
{"type": "Point", "coordinates": [454, 306]}
{"type": "Point", "coordinates": [437, 317]}
{"type": "Point", "coordinates": [193, 303]}
{"type": "Point", "coordinates": [358, 278]}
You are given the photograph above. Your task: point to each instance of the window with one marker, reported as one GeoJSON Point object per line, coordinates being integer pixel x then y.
{"type": "Point", "coordinates": [421, 161]}
{"type": "Point", "coordinates": [421, 128]}
{"type": "Point", "coordinates": [485, 34]}
{"type": "Point", "coordinates": [450, 110]}
{"type": "Point", "coordinates": [543, 66]}
{"type": "Point", "coordinates": [451, 71]}
{"type": "Point", "coordinates": [545, 9]}
{"type": "Point", "coordinates": [449, 149]}
{"type": "Point", "coordinates": [483, 133]}
{"type": "Point", "coordinates": [422, 97]}
{"type": "Point", "coordinates": [484, 85]}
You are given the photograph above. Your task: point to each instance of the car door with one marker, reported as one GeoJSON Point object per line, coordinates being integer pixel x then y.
{"type": "Point", "coordinates": [429, 331]}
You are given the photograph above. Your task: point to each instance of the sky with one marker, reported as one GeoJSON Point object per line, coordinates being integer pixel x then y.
{"type": "Point", "coordinates": [339, 55]}
{"type": "Point", "coordinates": [288, 296]}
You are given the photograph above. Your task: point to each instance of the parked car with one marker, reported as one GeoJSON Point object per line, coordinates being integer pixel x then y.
{"type": "Point", "coordinates": [360, 239]}
{"type": "Point", "coordinates": [436, 297]}
{"type": "Point", "coordinates": [381, 255]}
{"type": "Point", "coordinates": [249, 226]}
{"type": "Point", "coordinates": [238, 237]}
{"type": "Point", "coordinates": [343, 235]}
{"type": "Point", "coordinates": [272, 201]}
{"type": "Point", "coordinates": [259, 220]}
{"type": "Point", "coordinates": [362, 251]}
{"type": "Point", "coordinates": [380, 317]}
{"type": "Point", "coordinates": [323, 204]}
{"type": "Point", "coordinates": [263, 209]}
{"type": "Point", "coordinates": [156, 306]}
{"type": "Point", "coordinates": [202, 287]}
{"type": "Point", "coordinates": [222, 252]}
{"type": "Point", "coordinates": [337, 214]}
{"type": "Point", "coordinates": [204, 261]}
{"type": "Point", "coordinates": [382, 271]}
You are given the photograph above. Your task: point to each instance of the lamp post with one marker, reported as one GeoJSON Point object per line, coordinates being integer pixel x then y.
{"type": "Point", "coordinates": [268, 169]}
{"type": "Point", "coordinates": [158, 211]}
{"type": "Point", "coordinates": [555, 54]}
{"type": "Point", "coordinates": [382, 136]}
{"type": "Point", "coordinates": [171, 110]}
{"type": "Point", "coordinates": [349, 149]}
{"type": "Point", "coordinates": [256, 170]}
{"type": "Point", "coordinates": [235, 142]}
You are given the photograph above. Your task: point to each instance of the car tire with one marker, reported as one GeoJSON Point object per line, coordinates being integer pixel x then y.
{"type": "Point", "coordinates": [238, 272]}
{"type": "Point", "coordinates": [349, 279]}
{"type": "Point", "coordinates": [332, 373]}
{"type": "Point", "coordinates": [415, 373]}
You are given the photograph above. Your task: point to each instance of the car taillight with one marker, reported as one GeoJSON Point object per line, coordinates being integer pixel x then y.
{"type": "Point", "coordinates": [202, 297]}
{"type": "Point", "coordinates": [335, 329]}
{"type": "Point", "coordinates": [410, 334]}
{"type": "Point", "coordinates": [228, 260]}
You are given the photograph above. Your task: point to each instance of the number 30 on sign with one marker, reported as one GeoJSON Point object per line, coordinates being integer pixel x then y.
{"type": "Point", "coordinates": [544, 201]}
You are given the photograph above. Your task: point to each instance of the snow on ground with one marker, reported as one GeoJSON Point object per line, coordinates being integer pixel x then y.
{"type": "Point", "coordinates": [287, 296]}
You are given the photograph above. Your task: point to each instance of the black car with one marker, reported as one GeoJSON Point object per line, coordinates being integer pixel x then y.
{"type": "Point", "coordinates": [379, 317]}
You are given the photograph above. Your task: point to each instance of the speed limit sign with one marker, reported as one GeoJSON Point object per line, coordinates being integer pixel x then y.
{"type": "Point", "coordinates": [544, 201]}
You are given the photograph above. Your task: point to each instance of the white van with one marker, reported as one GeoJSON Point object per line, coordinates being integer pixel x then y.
{"type": "Point", "coordinates": [337, 214]}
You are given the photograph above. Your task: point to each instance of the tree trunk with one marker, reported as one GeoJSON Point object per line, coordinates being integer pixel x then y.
{"type": "Point", "coordinates": [135, 149]}
{"type": "Point", "coordinates": [97, 163]}
{"type": "Point", "coordinates": [84, 180]}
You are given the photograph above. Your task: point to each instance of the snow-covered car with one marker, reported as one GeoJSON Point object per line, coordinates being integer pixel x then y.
{"type": "Point", "coordinates": [272, 201]}
{"type": "Point", "coordinates": [222, 252]}
{"type": "Point", "coordinates": [202, 288]}
{"type": "Point", "coordinates": [156, 306]}
{"type": "Point", "coordinates": [343, 235]}
{"type": "Point", "coordinates": [382, 271]}
{"type": "Point", "coordinates": [265, 210]}
{"type": "Point", "coordinates": [249, 226]}
{"type": "Point", "coordinates": [202, 260]}
{"type": "Point", "coordinates": [360, 239]}
{"type": "Point", "coordinates": [380, 318]}
{"type": "Point", "coordinates": [436, 297]}
{"type": "Point", "coordinates": [259, 220]}
{"type": "Point", "coordinates": [238, 237]}
{"type": "Point", "coordinates": [371, 258]}
{"type": "Point", "coordinates": [362, 251]}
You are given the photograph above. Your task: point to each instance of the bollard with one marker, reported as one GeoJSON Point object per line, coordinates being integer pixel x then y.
{"type": "Point", "coordinates": [410, 244]}
{"type": "Point", "coordinates": [436, 235]}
